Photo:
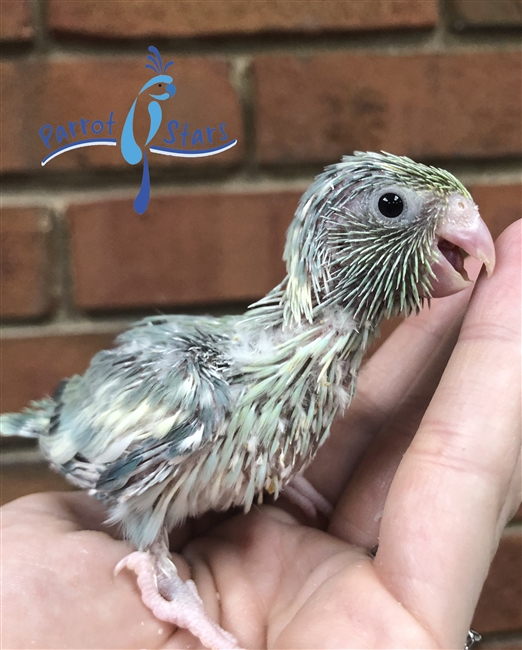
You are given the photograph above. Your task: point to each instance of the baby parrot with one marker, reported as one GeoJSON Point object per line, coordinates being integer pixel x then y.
{"type": "Point", "coordinates": [195, 413]}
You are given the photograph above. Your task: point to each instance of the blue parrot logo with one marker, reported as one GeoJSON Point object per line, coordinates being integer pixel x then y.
{"type": "Point", "coordinates": [91, 133]}
{"type": "Point", "coordinates": [130, 149]}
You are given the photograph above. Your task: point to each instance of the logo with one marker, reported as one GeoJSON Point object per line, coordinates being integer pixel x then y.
{"type": "Point", "coordinates": [160, 88]}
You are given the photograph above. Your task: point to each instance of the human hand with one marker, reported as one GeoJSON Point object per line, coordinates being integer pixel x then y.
{"type": "Point", "coordinates": [419, 465]}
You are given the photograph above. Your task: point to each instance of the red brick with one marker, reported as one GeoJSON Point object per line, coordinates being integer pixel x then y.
{"type": "Point", "coordinates": [487, 13]}
{"type": "Point", "coordinates": [15, 16]}
{"type": "Point", "coordinates": [512, 643]}
{"type": "Point", "coordinates": [320, 107]}
{"type": "Point", "coordinates": [499, 605]}
{"type": "Point", "coordinates": [56, 91]}
{"type": "Point", "coordinates": [18, 480]}
{"type": "Point", "coordinates": [500, 205]}
{"type": "Point", "coordinates": [31, 368]}
{"type": "Point", "coordinates": [24, 262]}
{"type": "Point", "coordinates": [187, 249]}
{"type": "Point", "coordinates": [140, 18]}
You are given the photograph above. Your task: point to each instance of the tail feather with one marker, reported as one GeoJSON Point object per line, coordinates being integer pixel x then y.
{"type": "Point", "coordinates": [142, 200]}
{"type": "Point", "coordinates": [31, 422]}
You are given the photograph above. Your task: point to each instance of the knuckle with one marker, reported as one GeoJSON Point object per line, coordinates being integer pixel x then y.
{"type": "Point", "coordinates": [489, 332]}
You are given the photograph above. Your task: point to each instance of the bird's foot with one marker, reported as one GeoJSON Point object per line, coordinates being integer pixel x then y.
{"type": "Point", "coordinates": [301, 492]}
{"type": "Point", "coordinates": [174, 601]}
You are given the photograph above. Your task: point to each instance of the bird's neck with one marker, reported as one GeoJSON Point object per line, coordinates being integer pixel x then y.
{"type": "Point", "coordinates": [302, 373]}
{"type": "Point", "coordinates": [333, 336]}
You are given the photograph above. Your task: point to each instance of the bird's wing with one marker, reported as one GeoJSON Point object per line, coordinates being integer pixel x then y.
{"type": "Point", "coordinates": [139, 408]}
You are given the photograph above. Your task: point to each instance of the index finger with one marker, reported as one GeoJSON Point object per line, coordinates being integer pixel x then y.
{"type": "Point", "coordinates": [446, 506]}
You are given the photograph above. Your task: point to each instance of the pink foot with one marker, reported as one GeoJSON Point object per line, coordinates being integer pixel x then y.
{"type": "Point", "coordinates": [301, 492]}
{"type": "Point", "coordinates": [184, 607]}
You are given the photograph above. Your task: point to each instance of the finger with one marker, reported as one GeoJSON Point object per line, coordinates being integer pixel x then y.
{"type": "Point", "coordinates": [440, 525]}
{"type": "Point", "coordinates": [64, 511]}
{"type": "Point", "coordinates": [357, 517]}
{"type": "Point", "coordinates": [383, 382]}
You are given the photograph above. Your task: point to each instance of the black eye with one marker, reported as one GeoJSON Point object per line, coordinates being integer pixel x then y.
{"type": "Point", "coordinates": [159, 85]}
{"type": "Point", "coordinates": [391, 205]}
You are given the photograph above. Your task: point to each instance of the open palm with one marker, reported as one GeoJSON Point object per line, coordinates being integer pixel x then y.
{"type": "Point", "coordinates": [427, 455]}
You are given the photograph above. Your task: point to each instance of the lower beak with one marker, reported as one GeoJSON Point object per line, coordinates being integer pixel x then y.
{"type": "Point", "coordinates": [461, 229]}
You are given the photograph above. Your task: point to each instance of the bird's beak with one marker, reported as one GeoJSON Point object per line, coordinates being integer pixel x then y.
{"type": "Point", "coordinates": [171, 89]}
{"type": "Point", "coordinates": [460, 229]}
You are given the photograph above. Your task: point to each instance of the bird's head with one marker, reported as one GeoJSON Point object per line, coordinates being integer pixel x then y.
{"type": "Point", "coordinates": [162, 87]}
{"type": "Point", "coordinates": [378, 234]}
{"type": "Point", "coordinates": [162, 84]}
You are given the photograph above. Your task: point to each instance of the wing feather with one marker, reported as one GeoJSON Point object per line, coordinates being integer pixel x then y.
{"type": "Point", "coordinates": [143, 406]}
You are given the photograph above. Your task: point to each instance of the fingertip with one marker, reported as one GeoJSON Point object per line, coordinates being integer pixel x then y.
{"type": "Point", "coordinates": [504, 284]}
{"type": "Point", "coordinates": [509, 243]}
{"type": "Point", "coordinates": [473, 267]}
{"type": "Point", "coordinates": [513, 230]}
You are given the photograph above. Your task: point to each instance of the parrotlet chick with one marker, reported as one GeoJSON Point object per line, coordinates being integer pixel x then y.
{"type": "Point", "coordinates": [191, 413]}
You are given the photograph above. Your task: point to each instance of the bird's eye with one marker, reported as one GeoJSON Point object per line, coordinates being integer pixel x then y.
{"type": "Point", "coordinates": [159, 85]}
{"type": "Point", "coordinates": [391, 205]}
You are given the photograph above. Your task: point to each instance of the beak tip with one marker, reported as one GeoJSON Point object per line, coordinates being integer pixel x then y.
{"type": "Point", "coordinates": [488, 259]}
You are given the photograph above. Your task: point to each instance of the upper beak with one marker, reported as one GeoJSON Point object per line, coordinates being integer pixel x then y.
{"type": "Point", "coordinates": [171, 89]}
{"type": "Point", "coordinates": [460, 228]}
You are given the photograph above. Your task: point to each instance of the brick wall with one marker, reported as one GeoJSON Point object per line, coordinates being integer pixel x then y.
{"type": "Point", "coordinates": [298, 84]}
